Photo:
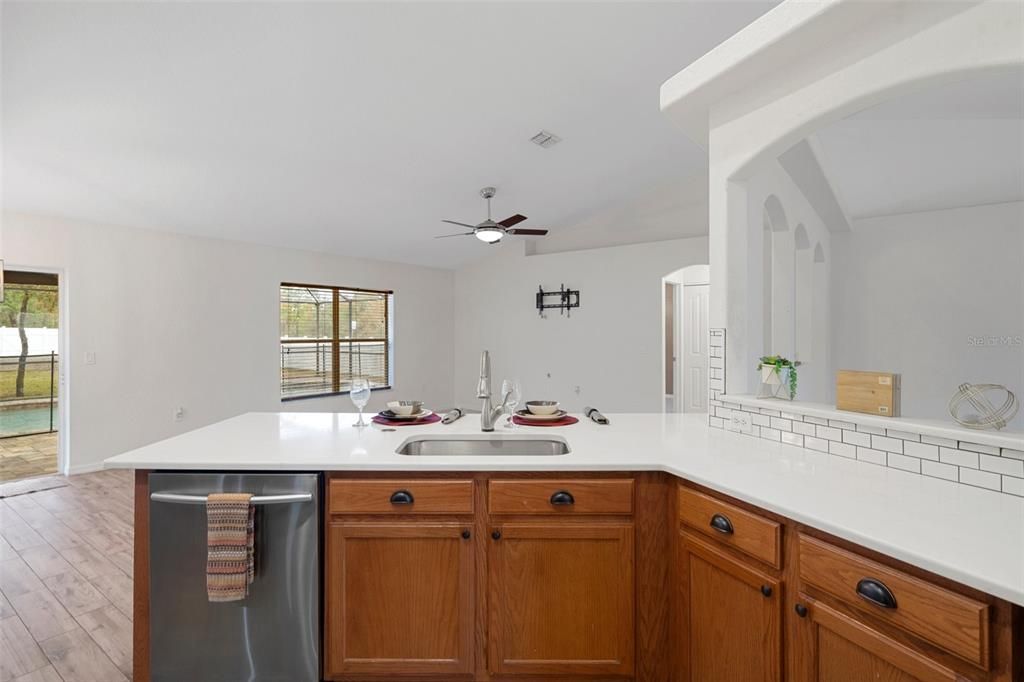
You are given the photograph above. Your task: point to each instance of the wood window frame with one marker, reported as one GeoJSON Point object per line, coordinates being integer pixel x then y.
{"type": "Point", "coordinates": [336, 341]}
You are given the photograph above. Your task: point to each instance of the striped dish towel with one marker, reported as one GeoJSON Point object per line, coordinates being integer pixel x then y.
{"type": "Point", "coordinates": [230, 559]}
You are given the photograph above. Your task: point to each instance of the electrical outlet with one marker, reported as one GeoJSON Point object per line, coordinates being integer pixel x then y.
{"type": "Point", "coordinates": [179, 414]}
{"type": "Point", "coordinates": [740, 421]}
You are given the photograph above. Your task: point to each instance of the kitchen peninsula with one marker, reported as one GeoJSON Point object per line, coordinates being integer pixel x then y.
{"type": "Point", "coordinates": [622, 557]}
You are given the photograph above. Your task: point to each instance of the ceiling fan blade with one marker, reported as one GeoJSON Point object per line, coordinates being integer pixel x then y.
{"type": "Point", "coordinates": [539, 233]}
{"type": "Point", "coordinates": [460, 234]}
{"type": "Point", "coordinates": [455, 222]}
{"type": "Point", "coordinates": [512, 220]}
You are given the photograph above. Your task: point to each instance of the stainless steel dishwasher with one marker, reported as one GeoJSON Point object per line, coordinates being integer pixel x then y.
{"type": "Point", "coordinates": [273, 635]}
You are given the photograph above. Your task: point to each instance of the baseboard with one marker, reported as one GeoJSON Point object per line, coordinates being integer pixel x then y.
{"type": "Point", "coordinates": [85, 468]}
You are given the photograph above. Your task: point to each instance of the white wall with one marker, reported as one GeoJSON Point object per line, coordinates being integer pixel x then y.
{"type": "Point", "coordinates": [185, 321]}
{"type": "Point", "coordinates": [611, 346]}
{"type": "Point", "coordinates": [923, 294]}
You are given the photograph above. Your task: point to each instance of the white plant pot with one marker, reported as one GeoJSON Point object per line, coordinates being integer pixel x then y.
{"type": "Point", "coordinates": [771, 375]}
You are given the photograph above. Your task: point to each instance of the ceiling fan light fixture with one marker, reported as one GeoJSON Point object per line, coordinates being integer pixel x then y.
{"type": "Point", "coordinates": [489, 234]}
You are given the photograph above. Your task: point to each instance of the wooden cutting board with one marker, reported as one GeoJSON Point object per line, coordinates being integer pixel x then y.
{"type": "Point", "coordinates": [875, 393]}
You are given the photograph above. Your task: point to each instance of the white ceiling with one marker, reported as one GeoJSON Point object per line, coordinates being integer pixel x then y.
{"type": "Point", "coordinates": [344, 127]}
{"type": "Point", "coordinates": [959, 144]}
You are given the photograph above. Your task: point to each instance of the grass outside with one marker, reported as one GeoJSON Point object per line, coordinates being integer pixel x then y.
{"type": "Point", "coordinates": [37, 383]}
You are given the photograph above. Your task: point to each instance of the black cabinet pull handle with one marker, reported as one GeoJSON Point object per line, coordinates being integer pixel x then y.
{"type": "Point", "coordinates": [562, 498]}
{"type": "Point", "coordinates": [801, 610]}
{"type": "Point", "coordinates": [466, 535]}
{"type": "Point", "coordinates": [496, 534]}
{"type": "Point", "coordinates": [722, 524]}
{"type": "Point", "coordinates": [876, 592]}
{"type": "Point", "coordinates": [766, 590]}
{"type": "Point", "coordinates": [401, 497]}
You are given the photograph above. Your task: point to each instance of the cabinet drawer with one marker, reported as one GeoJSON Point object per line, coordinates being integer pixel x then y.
{"type": "Point", "coordinates": [400, 497]}
{"type": "Point", "coordinates": [949, 620]}
{"type": "Point", "coordinates": [751, 534]}
{"type": "Point", "coordinates": [561, 496]}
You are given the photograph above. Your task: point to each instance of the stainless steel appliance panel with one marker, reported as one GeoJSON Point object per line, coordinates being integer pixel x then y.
{"type": "Point", "coordinates": [271, 636]}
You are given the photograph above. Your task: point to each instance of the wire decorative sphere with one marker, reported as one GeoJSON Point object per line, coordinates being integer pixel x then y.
{"type": "Point", "coordinates": [986, 415]}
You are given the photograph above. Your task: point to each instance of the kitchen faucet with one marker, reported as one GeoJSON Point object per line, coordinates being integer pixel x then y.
{"type": "Point", "coordinates": [488, 413]}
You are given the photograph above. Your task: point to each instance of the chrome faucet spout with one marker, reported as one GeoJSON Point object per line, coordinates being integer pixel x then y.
{"type": "Point", "coordinates": [488, 413]}
{"type": "Point", "coordinates": [483, 386]}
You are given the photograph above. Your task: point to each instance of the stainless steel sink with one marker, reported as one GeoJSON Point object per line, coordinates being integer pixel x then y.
{"type": "Point", "coordinates": [483, 446]}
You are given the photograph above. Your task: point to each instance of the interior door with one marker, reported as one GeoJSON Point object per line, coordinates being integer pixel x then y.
{"type": "Point", "coordinates": [670, 339]}
{"type": "Point", "coordinates": [695, 348]}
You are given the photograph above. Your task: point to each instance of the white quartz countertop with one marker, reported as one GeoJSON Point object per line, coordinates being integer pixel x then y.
{"type": "Point", "coordinates": [970, 535]}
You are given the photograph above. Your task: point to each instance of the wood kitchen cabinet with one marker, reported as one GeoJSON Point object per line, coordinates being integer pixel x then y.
{"type": "Point", "coordinates": [399, 598]}
{"type": "Point", "coordinates": [763, 599]}
{"type": "Point", "coordinates": [561, 599]}
{"type": "Point", "coordinates": [502, 577]}
{"type": "Point", "coordinates": [835, 647]}
{"type": "Point", "coordinates": [731, 620]}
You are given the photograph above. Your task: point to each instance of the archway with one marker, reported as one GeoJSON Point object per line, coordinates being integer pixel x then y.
{"type": "Point", "coordinates": [685, 345]}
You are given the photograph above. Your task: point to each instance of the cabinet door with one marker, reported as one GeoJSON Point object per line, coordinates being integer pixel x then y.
{"type": "Point", "coordinates": [834, 647]}
{"type": "Point", "coordinates": [399, 598]}
{"type": "Point", "coordinates": [560, 599]}
{"type": "Point", "coordinates": [731, 619]}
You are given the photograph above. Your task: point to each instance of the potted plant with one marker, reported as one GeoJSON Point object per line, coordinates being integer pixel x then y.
{"type": "Point", "coordinates": [778, 374]}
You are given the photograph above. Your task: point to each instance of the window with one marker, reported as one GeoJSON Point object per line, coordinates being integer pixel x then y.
{"type": "Point", "coordinates": [330, 335]}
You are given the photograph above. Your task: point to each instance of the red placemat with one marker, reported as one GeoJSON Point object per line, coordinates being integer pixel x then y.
{"type": "Point", "coordinates": [564, 421]}
{"type": "Point", "coordinates": [432, 419]}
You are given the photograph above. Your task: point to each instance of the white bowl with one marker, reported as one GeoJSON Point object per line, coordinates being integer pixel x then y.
{"type": "Point", "coordinates": [542, 407]}
{"type": "Point", "coordinates": [405, 408]}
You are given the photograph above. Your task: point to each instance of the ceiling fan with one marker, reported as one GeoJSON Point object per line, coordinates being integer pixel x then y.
{"type": "Point", "coordinates": [490, 231]}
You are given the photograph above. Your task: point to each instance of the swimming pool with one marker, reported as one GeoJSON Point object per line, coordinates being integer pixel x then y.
{"type": "Point", "coordinates": [15, 422]}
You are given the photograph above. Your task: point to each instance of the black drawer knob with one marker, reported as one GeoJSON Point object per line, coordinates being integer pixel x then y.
{"type": "Point", "coordinates": [722, 524]}
{"type": "Point", "coordinates": [401, 497]}
{"type": "Point", "coordinates": [801, 610]}
{"type": "Point", "coordinates": [876, 592]}
{"type": "Point", "coordinates": [562, 498]}
{"type": "Point", "coordinates": [496, 534]}
{"type": "Point", "coordinates": [766, 590]}
{"type": "Point", "coordinates": [466, 535]}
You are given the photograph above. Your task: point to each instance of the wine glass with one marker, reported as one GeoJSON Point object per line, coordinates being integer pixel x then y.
{"type": "Point", "coordinates": [360, 395]}
{"type": "Point", "coordinates": [514, 392]}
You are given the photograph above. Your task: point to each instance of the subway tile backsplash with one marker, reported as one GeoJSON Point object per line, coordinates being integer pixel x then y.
{"type": "Point", "coordinates": [963, 462]}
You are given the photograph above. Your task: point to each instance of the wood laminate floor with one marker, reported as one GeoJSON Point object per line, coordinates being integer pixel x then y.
{"type": "Point", "coordinates": [66, 582]}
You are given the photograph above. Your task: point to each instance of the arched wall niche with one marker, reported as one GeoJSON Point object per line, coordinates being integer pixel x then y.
{"type": "Point", "coordinates": [777, 284]}
{"type": "Point", "coordinates": [803, 296]}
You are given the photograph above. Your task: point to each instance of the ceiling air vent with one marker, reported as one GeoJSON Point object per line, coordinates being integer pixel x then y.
{"type": "Point", "coordinates": [545, 139]}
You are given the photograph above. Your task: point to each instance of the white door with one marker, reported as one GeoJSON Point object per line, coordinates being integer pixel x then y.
{"type": "Point", "coordinates": [695, 348]}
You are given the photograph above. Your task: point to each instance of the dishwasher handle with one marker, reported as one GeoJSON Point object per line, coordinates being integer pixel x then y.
{"type": "Point", "coordinates": [176, 498]}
